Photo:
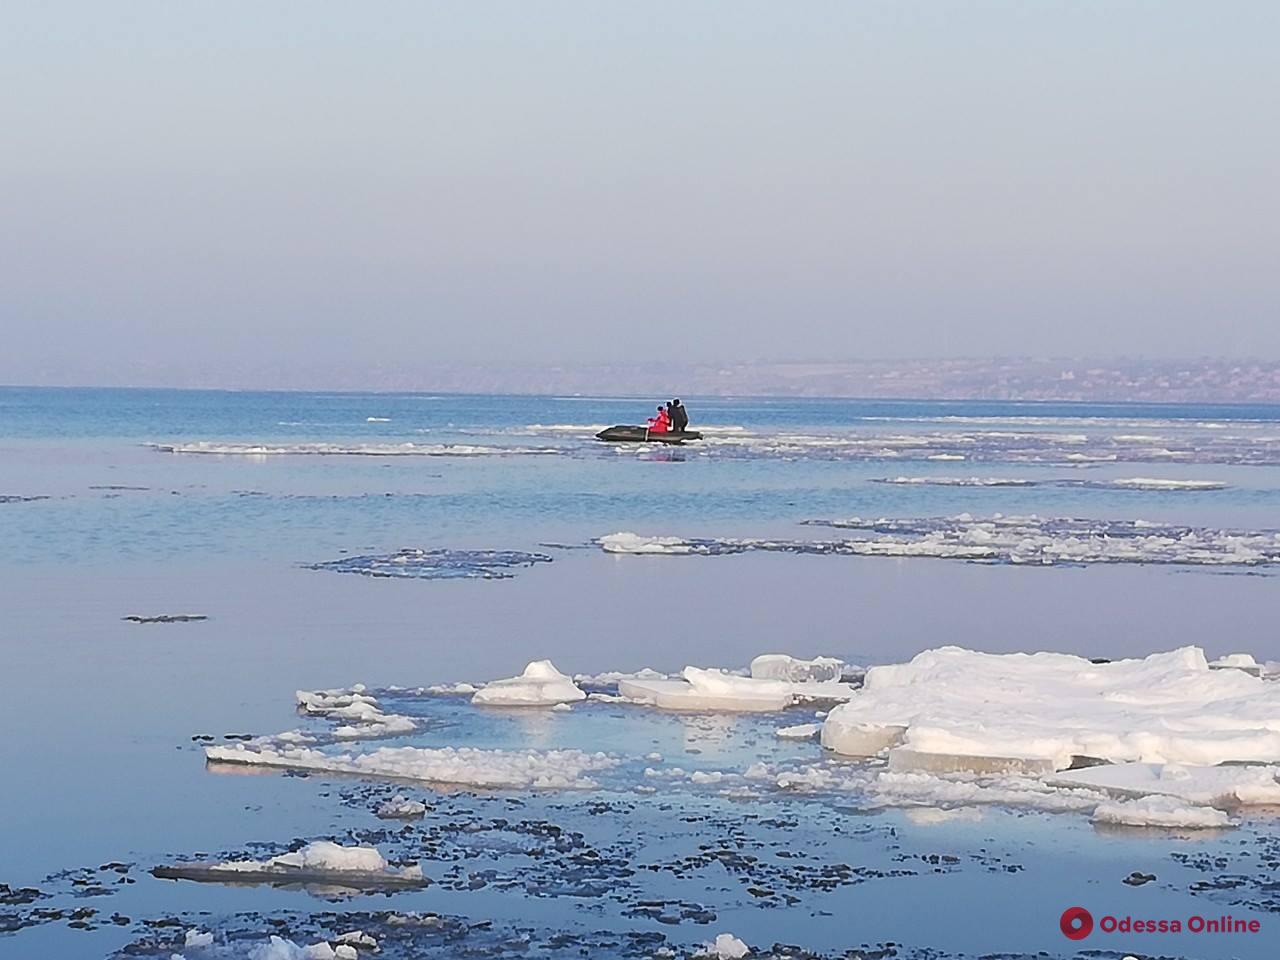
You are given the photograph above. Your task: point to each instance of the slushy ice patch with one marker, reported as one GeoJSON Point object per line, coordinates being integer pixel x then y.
{"type": "Point", "coordinates": [439, 564]}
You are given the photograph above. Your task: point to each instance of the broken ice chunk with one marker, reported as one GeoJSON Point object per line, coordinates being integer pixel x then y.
{"type": "Point", "coordinates": [710, 690]}
{"type": "Point", "coordinates": [780, 666]}
{"type": "Point", "coordinates": [725, 947]}
{"type": "Point", "coordinates": [320, 862]}
{"type": "Point", "coordinates": [1161, 812]}
{"type": "Point", "coordinates": [541, 684]}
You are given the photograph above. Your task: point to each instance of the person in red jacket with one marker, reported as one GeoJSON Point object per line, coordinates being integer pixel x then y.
{"type": "Point", "coordinates": [661, 423]}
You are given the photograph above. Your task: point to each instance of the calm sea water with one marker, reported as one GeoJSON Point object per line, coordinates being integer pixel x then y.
{"type": "Point", "coordinates": [100, 519]}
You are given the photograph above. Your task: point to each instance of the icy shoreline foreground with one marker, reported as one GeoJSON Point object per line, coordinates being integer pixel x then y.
{"type": "Point", "coordinates": [1170, 740]}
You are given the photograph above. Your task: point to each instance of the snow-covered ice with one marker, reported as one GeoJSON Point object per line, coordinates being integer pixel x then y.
{"type": "Point", "coordinates": [703, 689]}
{"type": "Point", "coordinates": [541, 684]}
{"type": "Point", "coordinates": [1168, 707]}
{"type": "Point", "coordinates": [724, 947]}
{"type": "Point", "coordinates": [1228, 785]}
{"type": "Point", "coordinates": [780, 666]}
{"type": "Point", "coordinates": [1160, 811]}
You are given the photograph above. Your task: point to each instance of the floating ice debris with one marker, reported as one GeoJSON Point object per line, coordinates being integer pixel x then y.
{"type": "Point", "coordinates": [165, 618]}
{"type": "Point", "coordinates": [459, 689]}
{"type": "Point", "coordinates": [956, 481]}
{"type": "Point", "coordinates": [1167, 812]}
{"type": "Point", "coordinates": [357, 714]}
{"type": "Point", "coordinates": [401, 808]}
{"type": "Point", "coordinates": [878, 787]}
{"type": "Point", "coordinates": [1048, 708]}
{"type": "Point", "coordinates": [16, 498]}
{"type": "Point", "coordinates": [613, 677]}
{"type": "Point", "coordinates": [349, 450]}
{"type": "Point", "coordinates": [197, 939]}
{"type": "Point", "coordinates": [725, 947]}
{"type": "Point", "coordinates": [278, 948]}
{"type": "Point", "coordinates": [1237, 661]}
{"type": "Point", "coordinates": [801, 731]}
{"type": "Point", "coordinates": [357, 938]}
{"type": "Point", "coordinates": [1231, 785]}
{"type": "Point", "coordinates": [541, 684]}
{"type": "Point", "coordinates": [1152, 483]}
{"type": "Point", "coordinates": [464, 766]}
{"type": "Point", "coordinates": [436, 564]}
{"type": "Point", "coordinates": [318, 862]}
{"type": "Point", "coordinates": [1149, 484]}
{"type": "Point", "coordinates": [780, 666]}
{"type": "Point", "coordinates": [1029, 540]}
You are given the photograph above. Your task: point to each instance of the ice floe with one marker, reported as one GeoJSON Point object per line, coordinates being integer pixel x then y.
{"type": "Point", "coordinates": [318, 862]}
{"type": "Point", "coordinates": [541, 684]}
{"type": "Point", "coordinates": [401, 808]}
{"type": "Point", "coordinates": [1024, 540]}
{"type": "Point", "coordinates": [724, 947]}
{"type": "Point", "coordinates": [1048, 708]}
{"type": "Point", "coordinates": [800, 731]}
{"type": "Point", "coordinates": [463, 766]}
{"type": "Point", "coordinates": [438, 564]}
{"type": "Point", "coordinates": [781, 666]}
{"type": "Point", "coordinates": [1160, 811]}
{"type": "Point", "coordinates": [1229, 785]}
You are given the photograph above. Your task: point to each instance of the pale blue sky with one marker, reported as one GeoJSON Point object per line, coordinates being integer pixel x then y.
{"type": "Point", "coordinates": [286, 186]}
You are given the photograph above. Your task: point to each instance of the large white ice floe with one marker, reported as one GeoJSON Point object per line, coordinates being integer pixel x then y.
{"type": "Point", "coordinates": [317, 862]}
{"type": "Point", "coordinates": [954, 709]}
{"type": "Point", "coordinates": [541, 684]}
{"type": "Point", "coordinates": [465, 766]}
{"type": "Point", "coordinates": [1023, 540]}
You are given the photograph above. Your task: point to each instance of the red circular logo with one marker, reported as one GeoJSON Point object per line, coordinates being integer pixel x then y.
{"type": "Point", "coordinates": [1076, 923]}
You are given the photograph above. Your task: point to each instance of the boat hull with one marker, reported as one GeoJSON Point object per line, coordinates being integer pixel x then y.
{"type": "Point", "coordinates": [624, 433]}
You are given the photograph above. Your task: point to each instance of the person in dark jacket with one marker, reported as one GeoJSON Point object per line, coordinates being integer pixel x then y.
{"type": "Point", "coordinates": [679, 416]}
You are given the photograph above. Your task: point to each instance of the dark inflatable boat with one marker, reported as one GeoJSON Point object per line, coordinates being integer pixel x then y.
{"type": "Point", "coordinates": [632, 434]}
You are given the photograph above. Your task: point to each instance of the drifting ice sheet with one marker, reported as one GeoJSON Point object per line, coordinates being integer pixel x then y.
{"type": "Point", "coordinates": [1169, 707]}
{"type": "Point", "coordinates": [1034, 541]}
{"type": "Point", "coordinates": [551, 769]}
